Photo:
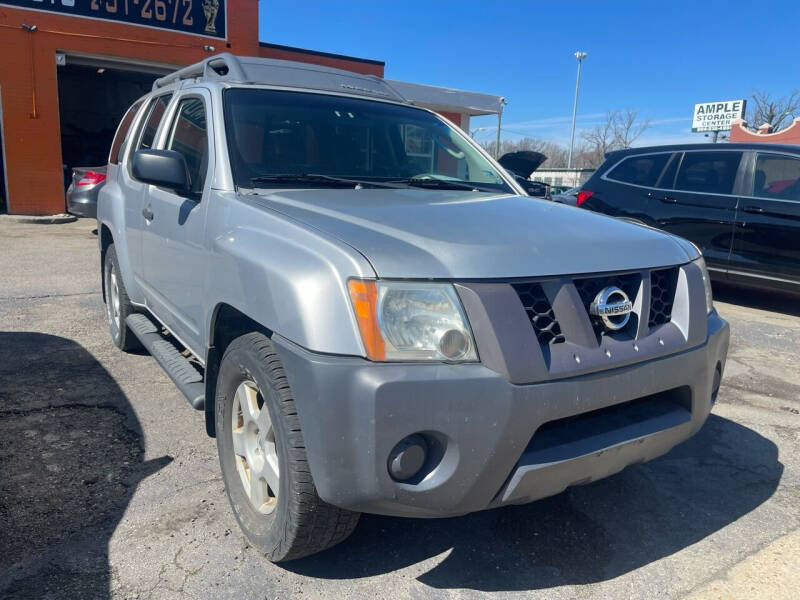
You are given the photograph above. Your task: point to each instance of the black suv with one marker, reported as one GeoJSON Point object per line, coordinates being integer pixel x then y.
{"type": "Point", "coordinates": [739, 203]}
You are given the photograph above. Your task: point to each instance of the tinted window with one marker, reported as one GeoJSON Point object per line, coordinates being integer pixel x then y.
{"type": "Point", "coordinates": [157, 109]}
{"type": "Point", "coordinates": [188, 136]}
{"type": "Point", "coordinates": [640, 170]}
{"type": "Point", "coordinates": [667, 178]}
{"type": "Point", "coordinates": [710, 172]}
{"type": "Point", "coordinates": [777, 176]}
{"type": "Point", "coordinates": [122, 132]}
{"type": "Point", "coordinates": [290, 133]}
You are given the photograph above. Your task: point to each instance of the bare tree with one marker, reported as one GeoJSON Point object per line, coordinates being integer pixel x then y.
{"type": "Point", "coordinates": [555, 153]}
{"type": "Point", "coordinates": [627, 127]}
{"type": "Point", "coordinates": [778, 112]}
{"type": "Point", "coordinates": [619, 129]}
{"type": "Point", "coordinates": [600, 139]}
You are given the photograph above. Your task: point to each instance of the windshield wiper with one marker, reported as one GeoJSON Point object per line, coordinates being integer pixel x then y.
{"type": "Point", "coordinates": [442, 184]}
{"type": "Point", "coordinates": [319, 178]}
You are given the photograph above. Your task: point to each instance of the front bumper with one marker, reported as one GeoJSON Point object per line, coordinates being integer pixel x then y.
{"type": "Point", "coordinates": [353, 412]}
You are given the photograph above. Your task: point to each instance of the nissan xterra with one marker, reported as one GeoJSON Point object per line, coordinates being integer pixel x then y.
{"type": "Point", "coordinates": [375, 317]}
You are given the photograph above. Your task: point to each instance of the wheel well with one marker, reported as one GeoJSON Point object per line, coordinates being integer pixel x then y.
{"type": "Point", "coordinates": [227, 324]}
{"type": "Point", "coordinates": [106, 239]}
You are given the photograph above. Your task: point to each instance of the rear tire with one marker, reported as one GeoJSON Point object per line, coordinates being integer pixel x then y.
{"type": "Point", "coordinates": [118, 305]}
{"type": "Point", "coordinates": [268, 452]}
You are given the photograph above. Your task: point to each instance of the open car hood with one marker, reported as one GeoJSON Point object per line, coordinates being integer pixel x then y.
{"type": "Point", "coordinates": [522, 163]}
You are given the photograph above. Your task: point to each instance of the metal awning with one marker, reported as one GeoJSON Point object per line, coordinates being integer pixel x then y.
{"type": "Point", "coordinates": [442, 99]}
{"type": "Point", "coordinates": [448, 99]}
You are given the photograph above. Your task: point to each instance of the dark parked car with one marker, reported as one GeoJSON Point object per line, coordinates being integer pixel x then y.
{"type": "Point", "coordinates": [739, 203]}
{"type": "Point", "coordinates": [82, 192]}
{"type": "Point", "coordinates": [520, 165]}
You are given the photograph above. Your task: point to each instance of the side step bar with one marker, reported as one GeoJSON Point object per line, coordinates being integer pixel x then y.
{"type": "Point", "coordinates": [179, 369]}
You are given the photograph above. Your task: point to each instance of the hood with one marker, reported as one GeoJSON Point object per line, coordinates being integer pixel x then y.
{"type": "Point", "coordinates": [423, 234]}
{"type": "Point", "coordinates": [523, 162]}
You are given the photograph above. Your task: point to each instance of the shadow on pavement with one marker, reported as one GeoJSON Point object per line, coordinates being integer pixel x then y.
{"type": "Point", "coordinates": [584, 535]}
{"type": "Point", "coordinates": [71, 455]}
{"type": "Point", "coordinates": [769, 300]}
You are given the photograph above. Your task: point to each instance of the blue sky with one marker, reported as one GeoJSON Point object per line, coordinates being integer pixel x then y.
{"type": "Point", "coordinates": [657, 57]}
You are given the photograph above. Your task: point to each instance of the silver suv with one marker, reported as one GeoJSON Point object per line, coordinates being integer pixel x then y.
{"type": "Point", "coordinates": [374, 316]}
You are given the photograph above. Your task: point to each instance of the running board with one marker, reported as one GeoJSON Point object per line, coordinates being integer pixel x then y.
{"type": "Point", "coordinates": [180, 370]}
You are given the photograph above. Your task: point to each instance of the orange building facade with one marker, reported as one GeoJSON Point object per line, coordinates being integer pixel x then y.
{"type": "Point", "coordinates": [43, 48]}
{"type": "Point", "coordinates": [764, 134]}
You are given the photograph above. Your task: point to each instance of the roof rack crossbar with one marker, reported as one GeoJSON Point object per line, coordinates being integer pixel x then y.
{"type": "Point", "coordinates": [221, 66]}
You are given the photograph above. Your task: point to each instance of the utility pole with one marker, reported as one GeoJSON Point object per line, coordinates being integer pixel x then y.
{"type": "Point", "coordinates": [499, 122]}
{"type": "Point", "coordinates": [580, 56]}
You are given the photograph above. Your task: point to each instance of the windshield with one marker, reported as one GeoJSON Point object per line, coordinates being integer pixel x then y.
{"type": "Point", "coordinates": [320, 138]}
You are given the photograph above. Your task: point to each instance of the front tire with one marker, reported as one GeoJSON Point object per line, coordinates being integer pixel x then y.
{"type": "Point", "coordinates": [263, 457]}
{"type": "Point", "coordinates": [118, 305]}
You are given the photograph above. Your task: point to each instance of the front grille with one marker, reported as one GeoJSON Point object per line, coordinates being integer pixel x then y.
{"type": "Point", "coordinates": [545, 322]}
{"type": "Point", "coordinates": [588, 289]}
{"type": "Point", "coordinates": [540, 313]}
{"type": "Point", "coordinates": [662, 295]}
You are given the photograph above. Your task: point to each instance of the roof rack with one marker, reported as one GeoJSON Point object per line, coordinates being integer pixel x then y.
{"type": "Point", "coordinates": [221, 66]}
{"type": "Point", "coordinates": [283, 73]}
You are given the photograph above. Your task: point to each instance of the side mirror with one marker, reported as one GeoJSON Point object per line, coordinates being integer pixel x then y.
{"type": "Point", "coordinates": [164, 168]}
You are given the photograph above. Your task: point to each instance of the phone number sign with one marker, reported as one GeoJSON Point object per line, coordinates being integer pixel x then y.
{"type": "Point", "coordinates": [200, 17]}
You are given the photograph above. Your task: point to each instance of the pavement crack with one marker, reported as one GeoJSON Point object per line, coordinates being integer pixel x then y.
{"type": "Point", "coordinates": [42, 296]}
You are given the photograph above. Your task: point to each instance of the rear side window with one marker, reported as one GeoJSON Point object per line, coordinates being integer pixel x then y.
{"type": "Point", "coordinates": [709, 172]}
{"type": "Point", "coordinates": [777, 176]}
{"type": "Point", "coordinates": [189, 137]}
{"type": "Point", "coordinates": [157, 109]}
{"type": "Point", "coordinates": [122, 132]}
{"type": "Point", "coordinates": [667, 178]}
{"type": "Point", "coordinates": [640, 170]}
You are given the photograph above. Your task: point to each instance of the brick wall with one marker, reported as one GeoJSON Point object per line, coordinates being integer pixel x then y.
{"type": "Point", "coordinates": [789, 135]}
{"type": "Point", "coordinates": [29, 88]}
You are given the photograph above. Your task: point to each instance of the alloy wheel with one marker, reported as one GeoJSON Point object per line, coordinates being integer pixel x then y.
{"type": "Point", "coordinates": [254, 447]}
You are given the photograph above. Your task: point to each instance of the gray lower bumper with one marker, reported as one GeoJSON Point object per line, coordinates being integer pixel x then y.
{"type": "Point", "coordinates": [82, 207]}
{"type": "Point", "coordinates": [353, 412]}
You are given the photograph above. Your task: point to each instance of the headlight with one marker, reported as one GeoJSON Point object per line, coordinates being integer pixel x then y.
{"type": "Point", "coordinates": [700, 262]}
{"type": "Point", "coordinates": [411, 321]}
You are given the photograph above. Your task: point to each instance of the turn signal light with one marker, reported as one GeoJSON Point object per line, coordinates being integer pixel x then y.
{"type": "Point", "coordinates": [91, 178]}
{"type": "Point", "coordinates": [583, 196]}
{"type": "Point", "coordinates": [364, 295]}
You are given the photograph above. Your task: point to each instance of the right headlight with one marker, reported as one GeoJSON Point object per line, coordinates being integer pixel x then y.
{"type": "Point", "coordinates": [412, 321]}
{"type": "Point", "coordinates": [700, 262]}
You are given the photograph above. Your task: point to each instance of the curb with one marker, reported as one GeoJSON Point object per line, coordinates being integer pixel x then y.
{"type": "Point", "coordinates": [40, 220]}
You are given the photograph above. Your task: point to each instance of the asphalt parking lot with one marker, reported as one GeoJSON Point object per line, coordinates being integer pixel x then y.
{"type": "Point", "coordinates": [109, 486]}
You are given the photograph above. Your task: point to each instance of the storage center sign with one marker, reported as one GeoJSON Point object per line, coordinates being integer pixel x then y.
{"type": "Point", "coordinates": [717, 116]}
{"type": "Point", "coordinates": [200, 17]}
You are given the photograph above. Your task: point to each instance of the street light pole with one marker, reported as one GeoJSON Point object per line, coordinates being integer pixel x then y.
{"type": "Point", "coordinates": [580, 56]}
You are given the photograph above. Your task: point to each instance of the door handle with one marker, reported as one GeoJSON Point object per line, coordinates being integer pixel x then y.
{"type": "Point", "coordinates": [669, 200]}
{"type": "Point", "coordinates": [755, 210]}
{"type": "Point", "coordinates": [147, 213]}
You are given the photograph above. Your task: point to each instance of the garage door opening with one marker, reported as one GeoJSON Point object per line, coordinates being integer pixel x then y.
{"type": "Point", "coordinates": [3, 192]}
{"type": "Point", "coordinates": [92, 100]}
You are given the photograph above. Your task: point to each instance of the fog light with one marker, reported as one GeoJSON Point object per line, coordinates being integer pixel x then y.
{"type": "Point", "coordinates": [407, 457]}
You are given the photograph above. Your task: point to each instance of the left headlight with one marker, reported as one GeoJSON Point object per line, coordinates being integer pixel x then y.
{"type": "Point", "coordinates": [411, 321]}
{"type": "Point", "coordinates": [700, 262]}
